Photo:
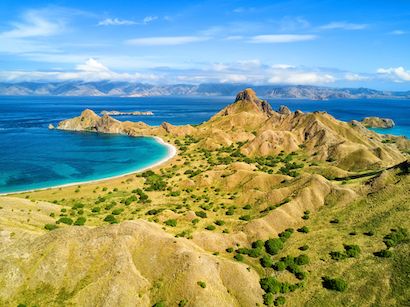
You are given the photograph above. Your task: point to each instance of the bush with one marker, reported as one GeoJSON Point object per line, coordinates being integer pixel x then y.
{"type": "Point", "coordinates": [182, 303]}
{"type": "Point", "coordinates": [65, 220]}
{"type": "Point", "coordinates": [285, 287]}
{"type": "Point", "coordinates": [78, 206]}
{"type": "Point", "coordinates": [210, 227]}
{"type": "Point", "coordinates": [80, 221]}
{"type": "Point", "coordinates": [285, 234]}
{"type": "Point", "coordinates": [229, 250]}
{"type": "Point", "coordinates": [239, 257]}
{"type": "Point", "coordinates": [271, 284]}
{"type": "Point", "coordinates": [396, 236]}
{"type": "Point", "coordinates": [339, 255]}
{"type": "Point", "coordinates": [96, 209]}
{"type": "Point", "coordinates": [255, 252]}
{"type": "Point", "coordinates": [352, 250]}
{"type": "Point", "coordinates": [109, 218]}
{"type": "Point", "coordinates": [225, 231]}
{"type": "Point", "coordinates": [294, 268]}
{"type": "Point", "coordinates": [247, 207]}
{"type": "Point", "coordinates": [302, 275]}
{"type": "Point", "coordinates": [305, 217]}
{"type": "Point", "coordinates": [304, 247]}
{"type": "Point", "coordinates": [307, 212]}
{"type": "Point", "coordinates": [336, 220]}
{"type": "Point", "coordinates": [171, 222]}
{"type": "Point", "coordinates": [279, 266]}
{"type": "Point", "coordinates": [258, 244]}
{"type": "Point", "coordinates": [288, 260]}
{"type": "Point", "coordinates": [384, 253]}
{"type": "Point", "coordinates": [280, 301]}
{"type": "Point", "coordinates": [334, 284]}
{"type": "Point", "coordinates": [266, 261]}
{"type": "Point", "coordinates": [117, 211]}
{"type": "Point", "coordinates": [202, 284]}
{"type": "Point", "coordinates": [195, 221]}
{"type": "Point", "coordinates": [159, 304]}
{"type": "Point", "coordinates": [273, 246]}
{"type": "Point", "coordinates": [302, 259]}
{"type": "Point", "coordinates": [245, 218]}
{"type": "Point", "coordinates": [268, 298]}
{"type": "Point", "coordinates": [219, 222]}
{"type": "Point", "coordinates": [370, 233]}
{"type": "Point", "coordinates": [304, 229]}
{"type": "Point", "coordinates": [50, 227]}
{"type": "Point", "coordinates": [201, 214]}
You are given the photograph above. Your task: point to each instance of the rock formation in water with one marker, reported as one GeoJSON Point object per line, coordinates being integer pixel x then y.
{"type": "Point", "coordinates": [376, 122]}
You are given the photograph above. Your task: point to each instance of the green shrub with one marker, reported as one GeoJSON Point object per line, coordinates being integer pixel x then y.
{"type": "Point", "coordinates": [219, 222]}
{"type": "Point", "coordinates": [273, 246]}
{"type": "Point", "coordinates": [63, 210]}
{"type": "Point", "coordinates": [334, 284]}
{"type": "Point", "coordinates": [229, 250]}
{"type": "Point", "coordinates": [78, 206]}
{"type": "Point", "coordinates": [109, 218]}
{"type": "Point", "coordinates": [271, 284]}
{"type": "Point", "coordinates": [246, 218]}
{"type": "Point", "coordinates": [52, 214]}
{"type": "Point", "coordinates": [304, 229]}
{"type": "Point", "coordinates": [201, 214]}
{"type": "Point", "coordinates": [117, 211]}
{"type": "Point", "coordinates": [65, 220]}
{"type": "Point", "coordinates": [202, 284]}
{"type": "Point", "coordinates": [280, 301]}
{"type": "Point", "coordinates": [210, 227]}
{"type": "Point", "coordinates": [285, 234]}
{"type": "Point", "coordinates": [288, 260]}
{"type": "Point", "coordinates": [279, 266]}
{"type": "Point", "coordinates": [370, 233]}
{"type": "Point", "coordinates": [268, 298]}
{"type": "Point", "coordinates": [247, 207]}
{"type": "Point", "coordinates": [182, 303]}
{"type": "Point", "coordinates": [255, 252]}
{"type": "Point", "coordinates": [305, 217]}
{"type": "Point", "coordinates": [338, 255]}
{"type": "Point", "coordinates": [171, 222]}
{"type": "Point", "coordinates": [294, 268]}
{"type": "Point", "coordinates": [291, 230]}
{"type": "Point", "coordinates": [304, 247]}
{"type": "Point", "coordinates": [352, 250]}
{"type": "Point", "coordinates": [195, 221]}
{"type": "Point", "coordinates": [258, 244]}
{"type": "Point", "coordinates": [80, 221]}
{"type": "Point", "coordinates": [384, 253]}
{"type": "Point", "coordinates": [225, 231]}
{"type": "Point", "coordinates": [285, 287]}
{"type": "Point", "coordinates": [239, 257]}
{"type": "Point", "coordinates": [307, 212]}
{"type": "Point", "coordinates": [50, 227]}
{"type": "Point", "coordinates": [159, 304]}
{"type": "Point", "coordinates": [302, 275]}
{"type": "Point", "coordinates": [230, 211]}
{"type": "Point", "coordinates": [396, 236]}
{"type": "Point", "coordinates": [96, 209]}
{"type": "Point", "coordinates": [266, 261]}
{"type": "Point", "coordinates": [302, 259]}
{"type": "Point", "coordinates": [336, 220]}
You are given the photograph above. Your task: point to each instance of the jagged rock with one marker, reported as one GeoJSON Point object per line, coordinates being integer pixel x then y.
{"type": "Point", "coordinates": [376, 122]}
{"type": "Point", "coordinates": [284, 110]}
{"type": "Point", "coordinates": [51, 127]}
{"type": "Point", "coordinates": [249, 95]}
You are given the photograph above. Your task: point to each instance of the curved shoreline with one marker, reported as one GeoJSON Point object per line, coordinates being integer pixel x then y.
{"type": "Point", "coordinates": [172, 151]}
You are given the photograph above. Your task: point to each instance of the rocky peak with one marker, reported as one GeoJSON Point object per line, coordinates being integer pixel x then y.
{"type": "Point", "coordinates": [284, 110]}
{"type": "Point", "coordinates": [249, 95]}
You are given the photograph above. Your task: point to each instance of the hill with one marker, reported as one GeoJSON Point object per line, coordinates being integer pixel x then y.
{"type": "Point", "coordinates": [258, 206]}
{"type": "Point", "coordinates": [125, 89]}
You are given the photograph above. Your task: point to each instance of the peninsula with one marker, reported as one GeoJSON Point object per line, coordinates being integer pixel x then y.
{"type": "Point", "coordinates": [257, 207]}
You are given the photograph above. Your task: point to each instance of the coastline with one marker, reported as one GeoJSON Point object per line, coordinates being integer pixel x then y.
{"type": "Point", "coordinates": [172, 151]}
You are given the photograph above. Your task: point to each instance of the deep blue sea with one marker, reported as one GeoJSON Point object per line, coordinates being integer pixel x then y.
{"type": "Point", "coordinates": [33, 157]}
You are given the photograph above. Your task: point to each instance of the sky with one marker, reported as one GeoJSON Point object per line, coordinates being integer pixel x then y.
{"type": "Point", "coordinates": [361, 43]}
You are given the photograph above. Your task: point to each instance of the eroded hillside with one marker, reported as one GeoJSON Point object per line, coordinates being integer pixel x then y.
{"type": "Point", "coordinates": [211, 227]}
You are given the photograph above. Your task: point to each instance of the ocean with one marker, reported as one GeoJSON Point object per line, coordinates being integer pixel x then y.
{"type": "Point", "coordinates": [34, 157]}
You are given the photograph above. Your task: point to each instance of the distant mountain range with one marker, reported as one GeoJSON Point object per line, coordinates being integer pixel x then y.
{"type": "Point", "coordinates": [105, 88]}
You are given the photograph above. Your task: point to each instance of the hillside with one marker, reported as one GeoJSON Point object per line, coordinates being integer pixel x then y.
{"type": "Point", "coordinates": [255, 208]}
{"type": "Point", "coordinates": [105, 88]}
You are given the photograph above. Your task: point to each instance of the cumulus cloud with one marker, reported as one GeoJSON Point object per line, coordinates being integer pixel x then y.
{"type": "Point", "coordinates": [356, 77]}
{"type": "Point", "coordinates": [90, 71]}
{"type": "Point", "coordinates": [398, 32]}
{"type": "Point", "coordinates": [116, 22]}
{"type": "Point", "coordinates": [396, 74]}
{"type": "Point", "coordinates": [344, 25]}
{"type": "Point", "coordinates": [166, 40]}
{"type": "Point", "coordinates": [280, 38]}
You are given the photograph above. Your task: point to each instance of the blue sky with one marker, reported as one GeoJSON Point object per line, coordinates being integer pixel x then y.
{"type": "Point", "coordinates": [332, 43]}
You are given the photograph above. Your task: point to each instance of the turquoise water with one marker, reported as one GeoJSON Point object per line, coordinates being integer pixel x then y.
{"type": "Point", "coordinates": [33, 157]}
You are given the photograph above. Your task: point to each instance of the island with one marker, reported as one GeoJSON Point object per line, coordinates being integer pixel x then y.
{"type": "Point", "coordinates": [257, 207]}
{"type": "Point", "coordinates": [126, 113]}
{"type": "Point", "coordinates": [376, 122]}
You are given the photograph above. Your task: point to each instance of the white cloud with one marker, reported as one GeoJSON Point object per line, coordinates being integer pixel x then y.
{"type": "Point", "coordinates": [396, 74]}
{"type": "Point", "coordinates": [90, 71]}
{"type": "Point", "coordinates": [300, 77]}
{"type": "Point", "coordinates": [344, 25]}
{"type": "Point", "coordinates": [355, 77]}
{"type": "Point", "coordinates": [284, 66]}
{"type": "Point", "coordinates": [280, 38]}
{"type": "Point", "coordinates": [233, 38]}
{"type": "Point", "coordinates": [398, 32]}
{"type": "Point", "coordinates": [239, 10]}
{"type": "Point", "coordinates": [165, 41]}
{"type": "Point", "coordinates": [116, 22]}
{"type": "Point", "coordinates": [150, 18]}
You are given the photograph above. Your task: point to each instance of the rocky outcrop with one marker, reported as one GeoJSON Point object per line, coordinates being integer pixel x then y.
{"type": "Point", "coordinates": [284, 110]}
{"type": "Point", "coordinates": [126, 113]}
{"type": "Point", "coordinates": [51, 127]}
{"type": "Point", "coordinates": [376, 122]}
